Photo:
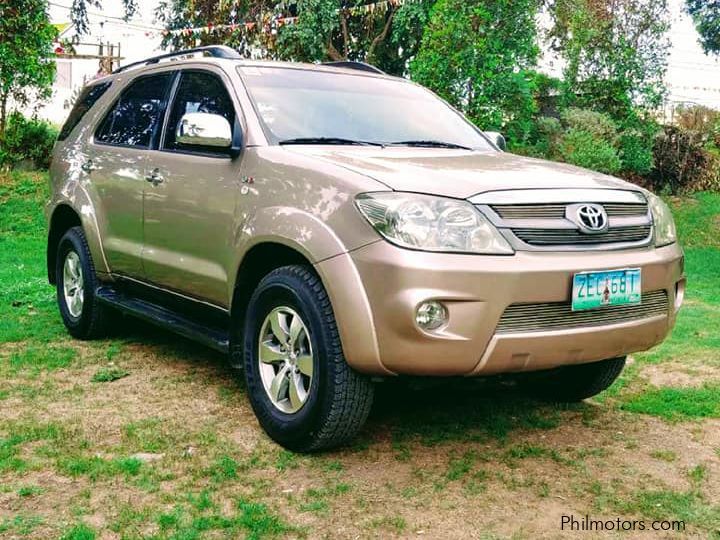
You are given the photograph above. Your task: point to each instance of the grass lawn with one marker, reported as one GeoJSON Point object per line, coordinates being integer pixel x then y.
{"type": "Point", "coordinates": [146, 435]}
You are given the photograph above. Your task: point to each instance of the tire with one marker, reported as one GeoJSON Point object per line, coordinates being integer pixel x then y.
{"type": "Point", "coordinates": [575, 383]}
{"type": "Point", "coordinates": [88, 319]}
{"type": "Point", "coordinates": [331, 401]}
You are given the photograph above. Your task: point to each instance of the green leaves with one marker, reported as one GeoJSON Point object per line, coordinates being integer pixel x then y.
{"type": "Point", "coordinates": [325, 30]}
{"type": "Point", "coordinates": [706, 15]}
{"type": "Point", "coordinates": [26, 66]}
{"type": "Point", "coordinates": [479, 55]}
{"type": "Point", "coordinates": [615, 53]}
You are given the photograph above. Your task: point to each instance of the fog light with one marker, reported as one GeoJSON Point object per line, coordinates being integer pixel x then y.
{"type": "Point", "coordinates": [431, 315]}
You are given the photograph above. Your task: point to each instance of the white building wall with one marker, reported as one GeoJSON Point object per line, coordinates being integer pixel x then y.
{"type": "Point", "coordinates": [138, 39]}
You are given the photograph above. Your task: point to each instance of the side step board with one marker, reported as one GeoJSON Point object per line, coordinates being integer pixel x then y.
{"type": "Point", "coordinates": [212, 337]}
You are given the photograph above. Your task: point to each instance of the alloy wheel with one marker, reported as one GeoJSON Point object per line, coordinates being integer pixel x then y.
{"type": "Point", "coordinates": [285, 359]}
{"type": "Point", "coordinates": [73, 284]}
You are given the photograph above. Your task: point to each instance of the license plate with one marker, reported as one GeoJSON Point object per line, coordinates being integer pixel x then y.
{"type": "Point", "coordinates": [593, 290]}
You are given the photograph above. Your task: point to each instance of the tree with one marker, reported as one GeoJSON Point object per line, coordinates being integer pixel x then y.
{"type": "Point", "coordinates": [387, 35]}
{"type": "Point", "coordinates": [479, 56]}
{"type": "Point", "coordinates": [26, 67]}
{"type": "Point", "coordinates": [79, 14]}
{"type": "Point", "coordinates": [178, 15]}
{"type": "Point", "coordinates": [706, 14]}
{"type": "Point", "coordinates": [615, 53]}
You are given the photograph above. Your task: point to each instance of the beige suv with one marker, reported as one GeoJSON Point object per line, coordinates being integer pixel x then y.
{"type": "Point", "coordinates": [329, 225]}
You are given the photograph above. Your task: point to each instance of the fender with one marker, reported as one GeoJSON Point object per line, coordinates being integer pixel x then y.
{"type": "Point", "coordinates": [317, 242]}
{"type": "Point", "coordinates": [75, 196]}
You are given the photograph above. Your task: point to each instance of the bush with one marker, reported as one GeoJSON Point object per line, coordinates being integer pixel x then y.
{"type": "Point", "coordinates": [595, 141]}
{"type": "Point", "coordinates": [583, 149]}
{"type": "Point", "coordinates": [682, 163]}
{"type": "Point", "coordinates": [636, 152]}
{"type": "Point", "coordinates": [697, 118]}
{"type": "Point", "coordinates": [27, 140]}
{"type": "Point", "coordinates": [598, 125]}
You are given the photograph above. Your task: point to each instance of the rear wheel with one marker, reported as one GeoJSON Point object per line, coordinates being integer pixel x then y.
{"type": "Point", "coordinates": [82, 314]}
{"type": "Point", "coordinates": [576, 382]}
{"type": "Point", "coordinates": [305, 395]}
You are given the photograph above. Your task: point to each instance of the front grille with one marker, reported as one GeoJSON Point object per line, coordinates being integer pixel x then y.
{"type": "Point", "coordinates": [560, 316]}
{"type": "Point", "coordinates": [557, 211]}
{"type": "Point", "coordinates": [558, 237]}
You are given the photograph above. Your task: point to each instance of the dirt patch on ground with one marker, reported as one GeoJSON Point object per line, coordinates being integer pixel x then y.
{"type": "Point", "coordinates": [673, 374]}
{"type": "Point", "coordinates": [462, 459]}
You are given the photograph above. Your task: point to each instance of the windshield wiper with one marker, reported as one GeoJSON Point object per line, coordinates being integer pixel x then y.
{"type": "Point", "coordinates": [431, 144]}
{"type": "Point", "coordinates": [329, 140]}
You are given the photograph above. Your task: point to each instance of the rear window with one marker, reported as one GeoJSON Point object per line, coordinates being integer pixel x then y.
{"type": "Point", "coordinates": [137, 114]}
{"type": "Point", "coordinates": [83, 104]}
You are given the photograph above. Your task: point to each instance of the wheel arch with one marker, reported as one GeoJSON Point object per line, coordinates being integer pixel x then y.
{"type": "Point", "coordinates": [259, 261]}
{"type": "Point", "coordinates": [347, 295]}
{"type": "Point", "coordinates": [63, 218]}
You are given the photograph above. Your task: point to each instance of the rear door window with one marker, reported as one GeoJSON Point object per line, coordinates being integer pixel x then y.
{"type": "Point", "coordinates": [87, 98]}
{"type": "Point", "coordinates": [137, 114]}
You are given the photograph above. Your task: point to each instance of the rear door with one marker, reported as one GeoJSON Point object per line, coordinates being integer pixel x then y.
{"type": "Point", "coordinates": [116, 158]}
{"type": "Point", "coordinates": [191, 210]}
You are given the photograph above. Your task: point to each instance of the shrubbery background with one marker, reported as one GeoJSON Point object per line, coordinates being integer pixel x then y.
{"type": "Point", "coordinates": [27, 142]}
{"type": "Point", "coordinates": [604, 112]}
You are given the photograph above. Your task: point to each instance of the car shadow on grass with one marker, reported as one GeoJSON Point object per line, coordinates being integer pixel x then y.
{"type": "Point", "coordinates": [169, 346]}
{"type": "Point", "coordinates": [429, 410]}
{"type": "Point", "coordinates": [433, 411]}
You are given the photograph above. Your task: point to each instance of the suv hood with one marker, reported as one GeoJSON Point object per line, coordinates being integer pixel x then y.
{"type": "Point", "coordinates": [457, 173]}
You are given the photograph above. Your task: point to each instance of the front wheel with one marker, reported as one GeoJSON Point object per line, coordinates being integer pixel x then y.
{"type": "Point", "coordinates": [82, 314]}
{"type": "Point", "coordinates": [576, 382]}
{"type": "Point", "coordinates": [305, 395]}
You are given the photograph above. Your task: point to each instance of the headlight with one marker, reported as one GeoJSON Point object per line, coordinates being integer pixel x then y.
{"type": "Point", "coordinates": [665, 232]}
{"type": "Point", "coordinates": [431, 223]}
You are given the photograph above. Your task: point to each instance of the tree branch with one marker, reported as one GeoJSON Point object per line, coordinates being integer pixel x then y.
{"type": "Point", "coordinates": [381, 36]}
{"type": "Point", "coordinates": [332, 52]}
{"type": "Point", "coordinates": [346, 37]}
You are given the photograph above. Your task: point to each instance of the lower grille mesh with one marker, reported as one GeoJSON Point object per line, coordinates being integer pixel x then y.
{"type": "Point", "coordinates": [559, 315]}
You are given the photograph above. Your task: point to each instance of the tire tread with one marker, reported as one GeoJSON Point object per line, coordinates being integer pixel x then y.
{"type": "Point", "coordinates": [350, 397]}
{"type": "Point", "coordinates": [98, 321]}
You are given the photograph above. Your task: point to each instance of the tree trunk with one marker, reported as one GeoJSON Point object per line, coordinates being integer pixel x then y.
{"type": "Point", "coordinates": [3, 115]}
{"type": "Point", "coordinates": [345, 33]}
{"type": "Point", "coordinates": [380, 37]}
{"type": "Point", "coordinates": [332, 52]}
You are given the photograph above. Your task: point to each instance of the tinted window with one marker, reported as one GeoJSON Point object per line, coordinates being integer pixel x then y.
{"type": "Point", "coordinates": [83, 104]}
{"type": "Point", "coordinates": [198, 92]}
{"type": "Point", "coordinates": [136, 115]}
{"type": "Point", "coordinates": [299, 103]}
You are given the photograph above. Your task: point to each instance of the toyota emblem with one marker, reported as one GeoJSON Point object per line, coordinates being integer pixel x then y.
{"type": "Point", "coordinates": [591, 218]}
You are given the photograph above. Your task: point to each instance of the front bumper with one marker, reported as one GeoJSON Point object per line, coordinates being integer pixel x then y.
{"type": "Point", "coordinates": [376, 289]}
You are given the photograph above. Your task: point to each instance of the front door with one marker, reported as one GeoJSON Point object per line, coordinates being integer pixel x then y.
{"type": "Point", "coordinates": [115, 162]}
{"type": "Point", "coordinates": [191, 207]}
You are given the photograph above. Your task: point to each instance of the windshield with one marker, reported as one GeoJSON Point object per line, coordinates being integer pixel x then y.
{"type": "Point", "coordinates": [306, 106]}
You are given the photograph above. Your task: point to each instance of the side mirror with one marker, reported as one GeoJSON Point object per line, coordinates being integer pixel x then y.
{"type": "Point", "coordinates": [497, 139]}
{"type": "Point", "coordinates": [204, 129]}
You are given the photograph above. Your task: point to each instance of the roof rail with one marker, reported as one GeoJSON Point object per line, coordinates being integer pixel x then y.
{"type": "Point", "coordinates": [360, 66]}
{"type": "Point", "coordinates": [216, 51]}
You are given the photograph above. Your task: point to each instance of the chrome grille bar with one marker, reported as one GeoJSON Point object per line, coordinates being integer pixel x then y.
{"type": "Point", "coordinates": [614, 210]}
{"type": "Point", "coordinates": [547, 237]}
{"type": "Point", "coordinates": [519, 318]}
{"type": "Point", "coordinates": [557, 211]}
{"type": "Point", "coordinates": [545, 219]}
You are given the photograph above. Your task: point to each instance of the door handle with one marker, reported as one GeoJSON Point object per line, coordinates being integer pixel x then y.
{"type": "Point", "coordinates": [87, 166]}
{"type": "Point", "coordinates": [155, 177]}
